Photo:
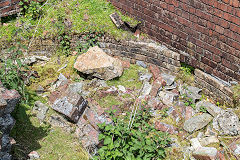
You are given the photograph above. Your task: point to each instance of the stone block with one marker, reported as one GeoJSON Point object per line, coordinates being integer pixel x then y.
{"type": "Point", "coordinates": [70, 110]}
{"type": "Point", "coordinates": [208, 140]}
{"type": "Point", "coordinates": [12, 97]}
{"type": "Point", "coordinates": [206, 153]}
{"type": "Point", "coordinates": [197, 122]}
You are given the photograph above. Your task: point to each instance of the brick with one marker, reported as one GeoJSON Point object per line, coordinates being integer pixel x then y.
{"type": "Point", "coordinates": [226, 1]}
{"type": "Point", "coordinates": [219, 29]}
{"type": "Point", "coordinates": [154, 61]}
{"type": "Point", "coordinates": [209, 62]}
{"type": "Point", "coordinates": [4, 3]}
{"type": "Point", "coordinates": [159, 82]}
{"type": "Point", "coordinates": [216, 58]}
{"type": "Point", "coordinates": [235, 3]}
{"type": "Point", "coordinates": [235, 28]}
{"type": "Point", "coordinates": [155, 71]}
{"type": "Point", "coordinates": [229, 65]}
{"type": "Point", "coordinates": [166, 128]}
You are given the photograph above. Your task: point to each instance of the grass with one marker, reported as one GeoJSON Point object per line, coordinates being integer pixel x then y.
{"type": "Point", "coordinates": [61, 145]}
{"type": "Point", "coordinates": [129, 79]}
{"type": "Point", "coordinates": [74, 11]}
{"type": "Point", "coordinates": [109, 101]}
{"type": "Point", "coordinates": [236, 94]}
{"type": "Point", "coordinates": [50, 142]}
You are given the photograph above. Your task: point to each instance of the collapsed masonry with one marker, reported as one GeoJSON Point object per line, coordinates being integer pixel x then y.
{"type": "Point", "coordinates": [8, 101]}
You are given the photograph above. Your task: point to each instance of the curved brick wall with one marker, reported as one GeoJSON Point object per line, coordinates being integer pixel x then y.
{"type": "Point", "coordinates": [205, 32]}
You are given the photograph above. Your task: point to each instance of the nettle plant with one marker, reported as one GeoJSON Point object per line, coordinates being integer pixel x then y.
{"type": "Point", "coordinates": [141, 141]}
{"type": "Point", "coordinates": [31, 9]}
{"type": "Point", "coordinates": [64, 32]}
{"type": "Point", "coordinates": [89, 39]}
{"type": "Point", "coordinates": [12, 69]}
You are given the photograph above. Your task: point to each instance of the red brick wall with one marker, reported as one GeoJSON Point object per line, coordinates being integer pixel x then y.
{"type": "Point", "coordinates": [207, 32]}
{"type": "Point", "coordinates": [8, 7]}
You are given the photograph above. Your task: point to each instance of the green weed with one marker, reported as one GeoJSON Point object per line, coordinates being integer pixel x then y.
{"type": "Point", "coordinates": [12, 70]}
{"type": "Point", "coordinates": [141, 141]}
{"type": "Point", "coordinates": [30, 9]}
{"type": "Point", "coordinates": [203, 109]}
{"type": "Point", "coordinates": [186, 73]}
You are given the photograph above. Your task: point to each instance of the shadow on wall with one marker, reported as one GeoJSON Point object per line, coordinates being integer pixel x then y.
{"type": "Point", "coordinates": [26, 134]}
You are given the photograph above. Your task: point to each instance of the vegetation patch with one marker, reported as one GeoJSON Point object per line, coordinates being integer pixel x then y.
{"type": "Point", "coordinates": [186, 74]}
{"type": "Point", "coordinates": [54, 18]}
{"type": "Point", "coordinates": [109, 101]}
{"type": "Point", "coordinates": [49, 72]}
{"type": "Point", "coordinates": [49, 142]}
{"type": "Point", "coordinates": [130, 78]}
{"type": "Point", "coordinates": [140, 140]}
{"type": "Point", "coordinates": [236, 95]}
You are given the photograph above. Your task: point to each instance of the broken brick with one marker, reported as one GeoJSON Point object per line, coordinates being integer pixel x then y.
{"type": "Point", "coordinates": [157, 84]}
{"type": "Point", "coordinates": [155, 71]}
{"type": "Point", "coordinates": [166, 128]}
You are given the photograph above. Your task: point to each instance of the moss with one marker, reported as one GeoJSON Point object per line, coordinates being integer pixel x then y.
{"type": "Point", "coordinates": [129, 79]}
{"type": "Point", "coordinates": [215, 145]}
{"type": "Point", "coordinates": [185, 77]}
{"type": "Point", "coordinates": [61, 145]}
{"type": "Point", "coordinates": [49, 72]}
{"type": "Point", "coordinates": [109, 101]}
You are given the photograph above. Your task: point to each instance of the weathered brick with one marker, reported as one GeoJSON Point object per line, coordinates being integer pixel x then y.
{"type": "Point", "coordinates": [202, 23]}
{"type": "Point", "coordinates": [166, 128]}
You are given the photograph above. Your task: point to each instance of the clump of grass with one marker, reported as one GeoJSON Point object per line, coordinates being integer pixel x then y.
{"type": "Point", "coordinates": [109, 101]}
{"type": "Point", "coordinates": [236, 95]}
{"type": "Point", "coordinates": [130, 78]}
{"type": "Point", "coordinates": [186, 73]}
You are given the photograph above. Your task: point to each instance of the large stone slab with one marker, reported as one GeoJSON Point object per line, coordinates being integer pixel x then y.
{"type": "Point", "coordinates": [145, 90]}
{"type": "Point", "coordinates": [167, 97]}
{"type": "Point", "coordinates": [227, 123]}
{"type": "Point", "coordinates": [97, 63]}
{"type": "Point", "coordinates": [169, 79]}
{"type": "Point", "coordinates": [191, 92]}
{"type": "Point", "coordinates": [197, 122]}
{"type": "Point", "coordinates": [211, 108]}
{"type": "Point", "coordinates": [9, 99]}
